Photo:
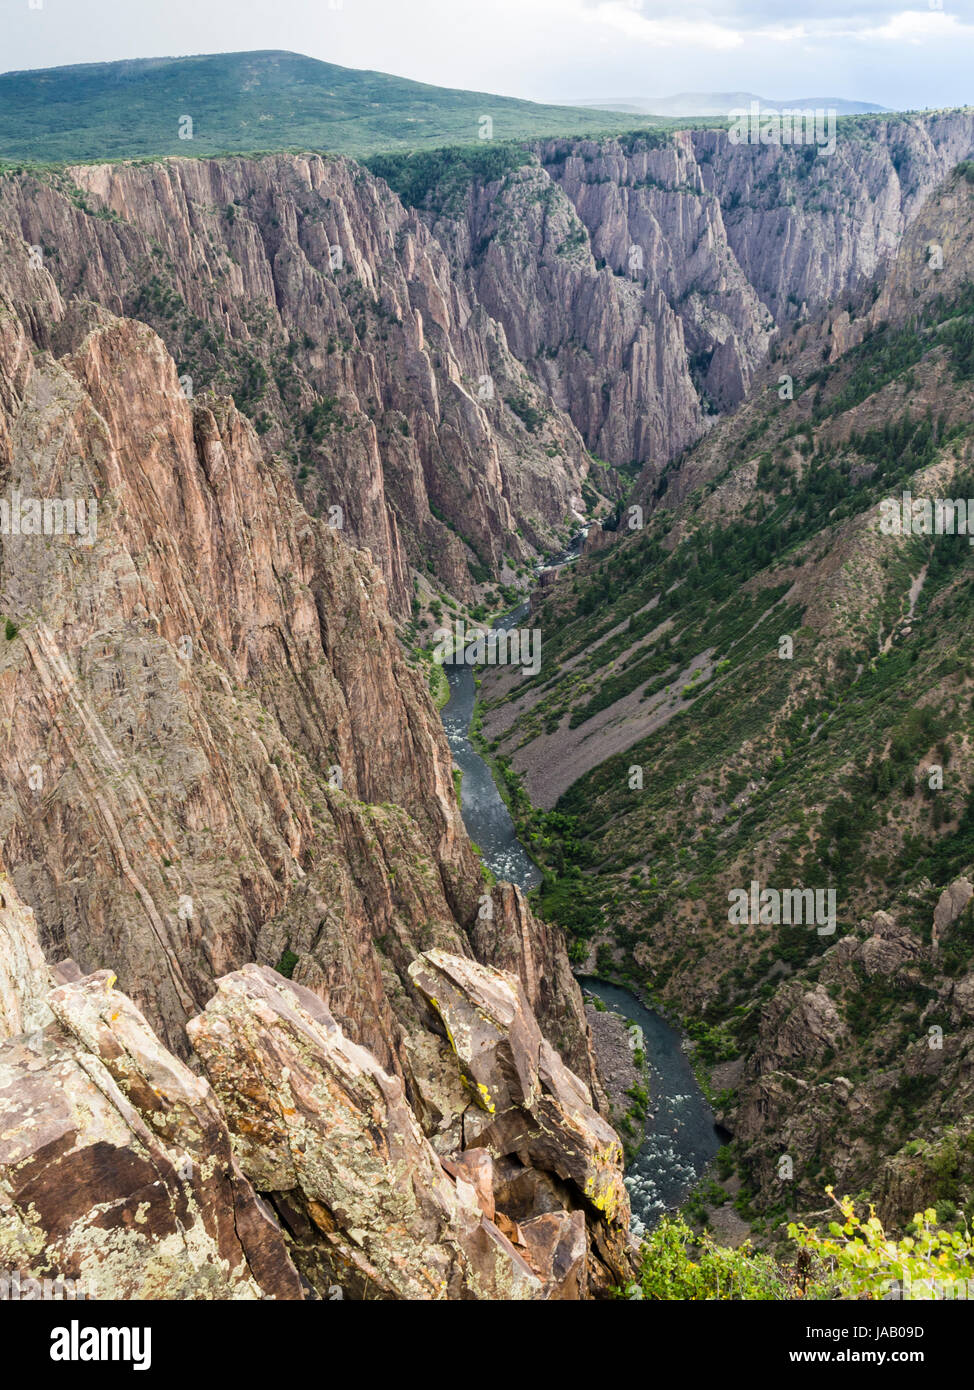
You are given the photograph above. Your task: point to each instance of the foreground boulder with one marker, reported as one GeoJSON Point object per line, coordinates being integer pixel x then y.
{"type": "Point", "coordinates": [329, 1137]}
{"type": "Point", "coordinates": [130, 1176]}
{"type": "Point", "coordinates": [527, 1108]}
{"type": "Point", "coordinates": [115, 1165]}
{"type": "Point", "coordinates": [528, 1203]}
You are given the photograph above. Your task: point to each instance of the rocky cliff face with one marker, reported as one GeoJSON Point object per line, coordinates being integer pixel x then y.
{"type": "Point", "coordinates": [218, 760]}
{"type": "Point", "coordinates": [601, 340]}
{"type": "Point", "coordinates": [116, 1167]}
{"type": "Point", "coordinates": [206, 705]}
{"type": "Point", "coordinates": [641, 281]}
{"type": "Point", "coordinates": [916, 1056]}
{"type": "Point", "coordinates": [305, 288]}
{"type": "Point", "coordinates": [808, 228]}
{"type": "Point", "coordinates": [435, 378]}
{"type": "Point", "coordinates": [216, 754]}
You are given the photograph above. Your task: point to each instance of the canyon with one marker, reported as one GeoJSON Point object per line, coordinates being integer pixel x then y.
{"type": "Point", "coordinates": [243, 929]}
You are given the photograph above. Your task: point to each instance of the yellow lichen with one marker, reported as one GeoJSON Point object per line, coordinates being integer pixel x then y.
{"type": "Point", "coordinates": [602, 1198]}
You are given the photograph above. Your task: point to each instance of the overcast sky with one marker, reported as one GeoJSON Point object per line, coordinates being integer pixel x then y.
{"type": "Point", "coordinates": [910, 54]}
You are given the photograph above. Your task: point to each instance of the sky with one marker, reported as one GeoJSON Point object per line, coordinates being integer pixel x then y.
{"type": "Point", "coordinates": [903, 54]}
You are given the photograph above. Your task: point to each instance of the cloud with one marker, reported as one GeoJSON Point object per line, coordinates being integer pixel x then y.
{"type": "Point", "coordinates": [626, 17]}
{"type": "Point", "coordinates": [897, 52]}
{"type": "Point", "coordinates": [749, 16]}
{"type": "Point", "coordinates": [728, 24]}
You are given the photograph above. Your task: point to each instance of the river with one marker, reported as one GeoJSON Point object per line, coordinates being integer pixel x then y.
{"type": "Point", "coordinates": [680, 1136]}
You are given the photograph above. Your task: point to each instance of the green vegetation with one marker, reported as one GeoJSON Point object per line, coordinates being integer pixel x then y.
{"type": "Point", "coordinates": [438, 180]}
{"type": "Point", "coordinates": [863, 1261]}
{"type": "Point", "coordinates": [667, 1272]}
{"type": "Point", "coordinates": [285, 966]}
{"type": "Point", "coordinates": [439, 685]}
{"type": "Point", "coordinates": [529, 415]}
{"type": "Point", "coordinates": [856, 1259]}
{"type": "Point", "coordinates": [260, 101]}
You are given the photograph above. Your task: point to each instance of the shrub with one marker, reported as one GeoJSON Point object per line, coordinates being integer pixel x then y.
{"type": "Point", "coordinates": [868, 1263]}
{"type": "Point", "coordinates": [285, 966]}
{"type": "Point", "coordinates": [666, 1271]}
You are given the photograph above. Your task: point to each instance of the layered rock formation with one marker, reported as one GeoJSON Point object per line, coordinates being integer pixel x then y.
{"type": "Point", "coordinates": [116, 1168]}
{"type": "Point", "coordinates": [368, 1203]}
{"type": "Point", "coordinates": [207, 706]}
{"type": "Point", "coordinates": [180, 692]}
{"type": "Point", "coordinates": [531, 1111]}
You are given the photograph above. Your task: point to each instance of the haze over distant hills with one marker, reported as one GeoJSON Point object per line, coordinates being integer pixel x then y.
{"type": "Point", "coordinates": [686, 104]}
{"type": "Point", "coordinates": [255, 101]}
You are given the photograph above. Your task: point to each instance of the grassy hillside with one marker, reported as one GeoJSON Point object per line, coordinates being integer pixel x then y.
{"type": "Point", "coordinates": [255, 101]}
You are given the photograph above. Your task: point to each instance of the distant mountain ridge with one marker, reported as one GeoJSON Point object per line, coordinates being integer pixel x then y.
{"type": "Point", "coordinates": [267, 100]}
{"type": "Point", "coordinates": [688, 104]}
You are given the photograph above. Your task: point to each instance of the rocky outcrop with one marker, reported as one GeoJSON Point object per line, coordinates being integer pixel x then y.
{"type": "Point", "coordinates": [24, 975]}
{"type": "Point", "coordinates": [889, 946]}
{"type": "Point", "coordinates": [328, 1136]}
{"type": "Point", "coordinates": [129, 1176]}
{"type": "Point", "coordinates": [368, 1203]}
{"type": "Point", "coordinates": [797, 1025]}
{"type": "Point", "coordinates": [951, 903]}
{"type": "Point", "coordinates": [509, 937]}
{"type": "Point", "coordinates": [526, 1105]}
{"type": "Point", "coordinates": [116, 1170]}
{"type": "Point", "coordinates": [216, 750]}
{"type": "Point", "coordinates": [794, 1104]}
{"type": "Point", "coordinates": [641, 280]}
{"type": "Point", "coordinates": [808, 227]}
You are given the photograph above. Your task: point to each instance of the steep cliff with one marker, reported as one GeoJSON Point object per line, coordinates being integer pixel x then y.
{"type": "Point", "coordinates": [302, 286]}
{"type": "Point", "coordinates": [641, 279]}
{"type": "Point", "coordinates": [218, 759]}
{"type": "Point", "coordinates": [216, 751]}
